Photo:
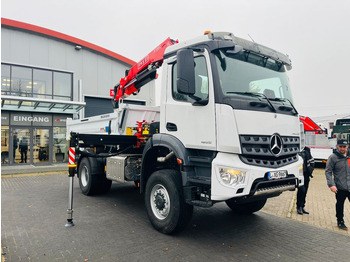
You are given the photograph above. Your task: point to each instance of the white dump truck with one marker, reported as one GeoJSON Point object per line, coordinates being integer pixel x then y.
{"type": "Point", "coordinates": [226, 130]}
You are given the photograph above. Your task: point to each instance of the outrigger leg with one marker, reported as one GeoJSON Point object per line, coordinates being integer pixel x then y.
{"type": "Point", "coordinates": [70, 201]}
{"type": "Point", "coordinates": [72, 167]}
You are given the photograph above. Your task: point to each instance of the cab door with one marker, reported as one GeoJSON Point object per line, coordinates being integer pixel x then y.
{"type": "Point", "coordinates": [191, 118]}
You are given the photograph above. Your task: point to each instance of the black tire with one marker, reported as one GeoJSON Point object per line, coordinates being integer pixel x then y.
{"type": "Point", "coordinates": [92, 179]}
{"type": "Point", "coordinates": [246, 208]}
{"type": "Point", "coordinates": [165, 203]}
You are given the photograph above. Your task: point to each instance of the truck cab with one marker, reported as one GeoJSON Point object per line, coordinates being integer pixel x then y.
{"type": "Point", "coordinates": [237, 113]}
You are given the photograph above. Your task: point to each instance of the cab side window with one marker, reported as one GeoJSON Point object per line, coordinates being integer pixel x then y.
{"type": "Point", "coordinates": [201, 81]}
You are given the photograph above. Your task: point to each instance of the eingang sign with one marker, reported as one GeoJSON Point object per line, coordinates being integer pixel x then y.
{"type": "Point", "coordinates": [32, 119]}
{"type": "Point", "coordinates": [20, 119]}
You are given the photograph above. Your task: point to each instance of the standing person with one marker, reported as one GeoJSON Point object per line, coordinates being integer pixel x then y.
{"type": "Point", "coordinates": [308, 168]}
{"type": "Point", "coordinates": [23, 148]}
{"type": "Point", "coordinates": [338, 165]}
{"type": "Point", "coordinates": [15, 145]}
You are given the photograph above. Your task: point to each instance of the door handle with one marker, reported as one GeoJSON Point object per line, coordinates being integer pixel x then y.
{"type": "Point", "coordinates": [171, 127]}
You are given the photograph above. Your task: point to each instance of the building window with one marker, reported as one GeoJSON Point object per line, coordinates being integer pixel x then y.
{"type": "Point", "coordinates": [5, 79]}
{"type": "Point", "coordinates": [34, 82]}
{"type": "Point", "coordinates": [62, 85]}
{"type": "Point", "coordinates": [21, 81]}
{"type": "Point", "coordinates": [42, 84]}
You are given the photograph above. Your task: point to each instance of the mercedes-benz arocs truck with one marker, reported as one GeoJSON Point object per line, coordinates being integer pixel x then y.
{"type": "Point", "coordinates": [226, 130]}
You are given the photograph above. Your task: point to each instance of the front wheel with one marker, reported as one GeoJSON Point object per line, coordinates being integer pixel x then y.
{"type": "Point", "coordinates": [165, 204]}
{"type": "Point", "coordinates": [246, 208]}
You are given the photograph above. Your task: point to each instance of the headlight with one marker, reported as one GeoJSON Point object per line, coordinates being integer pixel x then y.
{"type": "Point", "coordinates": [231, 177]}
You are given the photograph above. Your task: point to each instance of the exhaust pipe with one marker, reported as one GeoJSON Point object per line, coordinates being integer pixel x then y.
{"type": "Point", "coordinates": [163, 159]}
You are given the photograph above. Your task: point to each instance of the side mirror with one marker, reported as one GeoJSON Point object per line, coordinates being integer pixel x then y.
{"type": "Point", "coordinates": [185, 72]}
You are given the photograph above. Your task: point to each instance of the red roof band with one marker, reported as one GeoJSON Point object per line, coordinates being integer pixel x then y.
{"type": "Point", "coordinates": [55, 34]}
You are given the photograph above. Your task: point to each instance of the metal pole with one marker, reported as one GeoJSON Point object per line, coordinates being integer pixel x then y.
{"type": "Point", "coordinates": [70, 203]}
{"type": "Point", "coordinates": [80, 97]}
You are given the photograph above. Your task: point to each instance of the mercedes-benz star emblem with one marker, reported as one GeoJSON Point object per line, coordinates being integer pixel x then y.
{"type": "Point", "coordinates": [276, 144]}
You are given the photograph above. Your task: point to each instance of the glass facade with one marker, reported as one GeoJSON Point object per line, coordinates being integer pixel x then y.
{"type": "Point", "coordinates": [34, 138]}
{"type": "Point", "coordinates": [35, 82]}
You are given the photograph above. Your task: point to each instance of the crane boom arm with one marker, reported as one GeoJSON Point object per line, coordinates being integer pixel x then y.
{"type": "Point", "coordinates": [143, 72]}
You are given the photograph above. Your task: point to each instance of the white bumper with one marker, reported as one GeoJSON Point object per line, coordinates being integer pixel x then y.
{"type": "Point", "coordinates": [221, 192]}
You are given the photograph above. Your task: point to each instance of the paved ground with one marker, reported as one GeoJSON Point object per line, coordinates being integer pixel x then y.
{"type": "Point", "coordinates": [114, 227]}
{"type": "Point", "coordinates": [320, 202]}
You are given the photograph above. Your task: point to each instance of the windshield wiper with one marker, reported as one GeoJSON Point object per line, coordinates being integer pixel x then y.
{"type": "Point", "coordinates": [255, 94]}
{"type": "Point", "coordinates": [285, 107]}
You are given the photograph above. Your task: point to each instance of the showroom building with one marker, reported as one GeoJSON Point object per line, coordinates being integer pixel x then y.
{"type": "Point", "coordinates": [46, 77]}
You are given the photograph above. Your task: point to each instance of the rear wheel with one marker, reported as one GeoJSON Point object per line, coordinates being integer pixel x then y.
{"type": "Point", "coordinates": [92, 179]}
{"type": "Point", "coordinates": [246, 208]}
{"type": "Point", "coordinates": [164, 201]}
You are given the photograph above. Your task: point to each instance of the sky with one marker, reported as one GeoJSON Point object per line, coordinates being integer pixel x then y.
{"type": "Point", "coordinates": [314, 33]}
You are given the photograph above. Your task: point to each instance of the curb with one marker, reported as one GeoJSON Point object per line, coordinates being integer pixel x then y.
{"type": "Point", "coordinates": [292, 204]}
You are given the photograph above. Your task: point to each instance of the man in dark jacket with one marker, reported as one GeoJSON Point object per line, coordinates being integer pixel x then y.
{"type": "Point", "coordinates": [23, 148]}
{"type": "Point", "coordinates": [308, 168]}
{"type": "Point", "coordinates": [338, 166]}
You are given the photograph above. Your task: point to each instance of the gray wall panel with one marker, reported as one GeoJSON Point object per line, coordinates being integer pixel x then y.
{"type": "Point", "coordinates": [5, 44]}
{"type": "Point", "coordinates": [104, 76]}
{"type": "Point", "coordinates": [39, 51]}
{"type": "Point", "coordinates": [19, 48]}
{"type": "Point", "coordinates": [90, 74]}
{"type": "Point", "coordinates": [57, 55]}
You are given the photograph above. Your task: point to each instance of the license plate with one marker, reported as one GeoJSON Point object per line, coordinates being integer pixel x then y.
{"type": "Point", "coordinates": [276, 174]}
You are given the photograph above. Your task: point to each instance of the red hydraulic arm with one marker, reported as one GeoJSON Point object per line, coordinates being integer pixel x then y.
{"type": "Point", "coordinates": [143, 72]}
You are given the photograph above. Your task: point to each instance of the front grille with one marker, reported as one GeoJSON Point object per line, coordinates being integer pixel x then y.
{"type": "Point", "coordinates": [256, 150]}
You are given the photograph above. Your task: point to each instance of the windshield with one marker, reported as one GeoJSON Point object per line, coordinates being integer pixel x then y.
{"type": "Point", "coordinates": [246, 74]}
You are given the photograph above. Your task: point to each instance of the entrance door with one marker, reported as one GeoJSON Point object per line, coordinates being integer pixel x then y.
{"type": "Point", "coordinates": [21, 146]}
{"type": "Point", "coordinates": [40, 145]}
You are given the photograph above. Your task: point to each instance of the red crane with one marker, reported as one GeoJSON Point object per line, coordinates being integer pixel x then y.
{"type": "Point", "coordinates": [143, 72]}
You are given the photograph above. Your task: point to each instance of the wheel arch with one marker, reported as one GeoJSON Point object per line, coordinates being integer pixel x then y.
{"type": "Point", "coordinates": [154, 145]}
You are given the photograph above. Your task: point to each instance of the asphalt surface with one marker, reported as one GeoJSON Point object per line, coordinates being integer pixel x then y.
{"type": "Point", "coordinates": [115, 227]}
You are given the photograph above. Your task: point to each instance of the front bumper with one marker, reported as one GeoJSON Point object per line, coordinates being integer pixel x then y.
{"type": "Point", "coordinates": [255, 184]}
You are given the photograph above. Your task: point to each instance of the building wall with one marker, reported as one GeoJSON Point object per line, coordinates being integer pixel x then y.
{"type": "Point", "coordinates": [98, 72]}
